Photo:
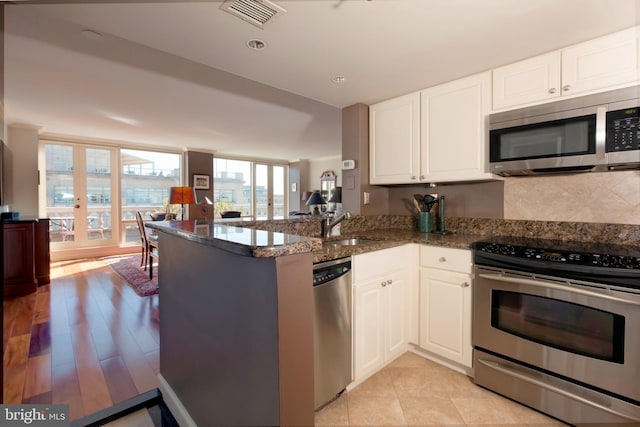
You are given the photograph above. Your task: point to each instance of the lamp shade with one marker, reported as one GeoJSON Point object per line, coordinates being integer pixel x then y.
{"type": "Point", "coordinates": [337, 196]}
{"type": "Point", "coordinates": [182, 196]}
{"type": "Point", "coordinates": [315, 199]}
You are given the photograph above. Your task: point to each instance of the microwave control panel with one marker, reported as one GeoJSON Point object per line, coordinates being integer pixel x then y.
{"type": "Point", "coordinates": [623, 130]}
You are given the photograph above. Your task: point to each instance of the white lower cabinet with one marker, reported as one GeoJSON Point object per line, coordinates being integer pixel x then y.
{"type": "Point", "coordinates": [381, 308]}
{"type": "Point", "coordinates": [445, 303]}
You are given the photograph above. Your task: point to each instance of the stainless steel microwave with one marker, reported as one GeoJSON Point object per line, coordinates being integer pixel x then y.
{"type": "Point", "coordinates": [590, 133]}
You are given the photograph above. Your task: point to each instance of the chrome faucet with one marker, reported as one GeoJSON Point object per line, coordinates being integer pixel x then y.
{"type": "Point", "coordinates": [328, 225]}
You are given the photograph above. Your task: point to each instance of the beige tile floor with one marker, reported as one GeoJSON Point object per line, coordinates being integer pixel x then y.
{"type": "Point", "coordinates": [412, 390]}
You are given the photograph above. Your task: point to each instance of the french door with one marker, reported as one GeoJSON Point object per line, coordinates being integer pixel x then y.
{"type": "Point", "coordinates": [79, 191]}
{"type": "Point", "coordinates": [256, 189]}
{"type": "Point", "coordinates": [270, 186]}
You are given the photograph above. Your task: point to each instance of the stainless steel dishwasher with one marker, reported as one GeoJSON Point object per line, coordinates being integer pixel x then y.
{"type": "Point", "coordinates": [332, 329]}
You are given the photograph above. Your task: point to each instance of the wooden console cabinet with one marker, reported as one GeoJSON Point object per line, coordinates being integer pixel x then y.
{"type": "Point", "coordinates": [26, 256]}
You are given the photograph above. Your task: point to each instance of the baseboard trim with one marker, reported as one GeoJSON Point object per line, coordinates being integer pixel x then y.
{"type": "Point", "coordinates": [170, 398]}
{"type": "Point", "coordinates": [442, 361]}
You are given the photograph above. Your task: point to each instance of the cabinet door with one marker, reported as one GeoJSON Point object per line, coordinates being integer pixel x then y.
{"type": "Point", "coordinates": [453, 130]}
{"type": "Point", "coordinates": [368, 331]}
{"type": "Point", "coordinates": [413, 295]}
{"type": "Point", "coordinates": [445, 314]}
{"type": "Point", "coordinates": [376, 264]}
{"type": "Point", "coordinates": [531, 80]}
{"type": "Point", "coordinates": [450, 259]}
{"type": "Point", "coordinates": [606, 61]}
{"type": "Point", "coordinates": [42, 251]}
{"type": "Point", "coordinates": [394, 140]}
{"type": "Point", "coordinates": [396, 316]}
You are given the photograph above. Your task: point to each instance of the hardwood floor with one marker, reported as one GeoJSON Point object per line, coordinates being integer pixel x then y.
{"type": "Point", "coordinates": [87, 339]}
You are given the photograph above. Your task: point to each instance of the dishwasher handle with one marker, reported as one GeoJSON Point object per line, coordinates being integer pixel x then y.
{"type": "Point", "coordinates": [330, 270]}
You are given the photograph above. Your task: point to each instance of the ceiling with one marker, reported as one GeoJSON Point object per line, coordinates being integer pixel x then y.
{"type": "Point", "coordinates": [180, 74]}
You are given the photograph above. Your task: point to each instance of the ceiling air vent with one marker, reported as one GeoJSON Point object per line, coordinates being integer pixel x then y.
{"type": "Point", "coordinates": [256, 12]}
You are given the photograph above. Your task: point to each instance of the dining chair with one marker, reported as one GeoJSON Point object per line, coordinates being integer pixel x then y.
{"type": "Point", "coordinates": [144, 244]}
{"type": "Point", "coordinates": [152, 251]}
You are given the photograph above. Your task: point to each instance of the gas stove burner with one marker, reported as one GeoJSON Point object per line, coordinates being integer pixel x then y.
{"type": "Point", "coordinates": [606, 263]}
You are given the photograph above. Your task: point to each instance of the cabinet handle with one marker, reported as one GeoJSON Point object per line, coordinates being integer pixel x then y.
{"type": "Point", "coordinates": [389, 282]}
{"type": "Point", "coordinates": [421, 176]}
{"type": "Point", "coordinates": [552, 90]}
{"type": "Point", "coordinates": [383, 284]}
{"type": "Point", "coordinates": [566, 87]}
{"type": "Point", "coordinates": [442, 259]}
{"type": "Point", "coordinates": [413, 177]}
{"type": "Point", "coordinates": [465, 285]}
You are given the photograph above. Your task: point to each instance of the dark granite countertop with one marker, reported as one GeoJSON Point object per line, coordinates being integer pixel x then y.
{"type": "Point", "coordinates": [239, 240]}
{"type": "Point", "coordinates": [266, 243]}
{"type": "Point", "coordinates": [273, 238]}
{"type": "Point", "coordinates": [388, 238]}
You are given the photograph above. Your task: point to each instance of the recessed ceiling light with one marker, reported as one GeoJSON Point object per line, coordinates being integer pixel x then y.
{"type": "Point", "coordinates": [92, 35]}
{"type": "Point", "coordinates": [338, 79]}
{"type": "Point", "coordinates": [256, 44]}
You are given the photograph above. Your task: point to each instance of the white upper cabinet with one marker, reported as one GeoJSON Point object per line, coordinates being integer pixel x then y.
{"type": "Point", "coordinates": [531, 80]}
{"type": "Point", "coordinates": [607, 61]}
{"type": "Point", "coordinates": [394, 140]}
{"type": "Point", "coordinates": [594, 65]}
{"type": "Point", "coordinates": [453, 143]}
{"type": "Point", "coordinates": [437, 135]}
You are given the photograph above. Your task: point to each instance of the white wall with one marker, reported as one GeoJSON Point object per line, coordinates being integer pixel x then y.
{"type": "Point", "coordinates": [316, 167]}
{"type": "Point", "coordinates": [21, 174]}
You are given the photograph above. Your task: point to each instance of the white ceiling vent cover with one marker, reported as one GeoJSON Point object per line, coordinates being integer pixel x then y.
{"type": "Point", "coordinates": [256, 12]}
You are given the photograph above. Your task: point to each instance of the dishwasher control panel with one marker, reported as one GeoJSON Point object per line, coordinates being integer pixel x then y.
{"type": "Point", "coordinates": [326, 272]}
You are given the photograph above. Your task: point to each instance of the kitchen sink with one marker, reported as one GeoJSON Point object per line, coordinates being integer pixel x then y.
{"type": "Point", "coordinates": [350, 242]}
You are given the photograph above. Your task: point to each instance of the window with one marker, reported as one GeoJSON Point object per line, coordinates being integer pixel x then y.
{"type": "Point", "coordinates": [232, 186]}
{"type": "Point", "coordinates": [255, 189]}
{"type": "Point", "coordinates": [146, 179]}
{"type": "Point", "coordinates": [90, 203]}
{"type": "Point", "coordinates": [78, 185]}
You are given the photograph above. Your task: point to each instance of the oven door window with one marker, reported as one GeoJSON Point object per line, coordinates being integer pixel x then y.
{"type": "Point", "coordinates": [563, 325]}
{"type": "Point", "coordinates": [566, 137]}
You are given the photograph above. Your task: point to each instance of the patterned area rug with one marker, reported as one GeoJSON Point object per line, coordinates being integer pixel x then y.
{"type": "Point", "coordinates": [129, 268]}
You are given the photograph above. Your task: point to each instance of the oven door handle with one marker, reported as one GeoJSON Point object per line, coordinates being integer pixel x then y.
{"type": "Point", "coordinates": [551, 285]}
{"type": "Point", "coordinates": [507, 370]}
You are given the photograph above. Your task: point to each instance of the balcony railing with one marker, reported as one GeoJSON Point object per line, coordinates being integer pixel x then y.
{"type": "Point", "coordinates": [99, 222]}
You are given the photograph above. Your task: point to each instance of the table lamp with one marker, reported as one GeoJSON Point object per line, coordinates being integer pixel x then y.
{"type": "Point", "coordinates": [316, 199]}
{"type": "Point", "coordinates": [336, 198]}
{"type": "Point", "coordinates": [181, 196]}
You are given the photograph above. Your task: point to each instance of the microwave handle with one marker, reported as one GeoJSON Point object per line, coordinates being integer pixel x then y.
{"type": "Point", "coordinates": [601, 132]}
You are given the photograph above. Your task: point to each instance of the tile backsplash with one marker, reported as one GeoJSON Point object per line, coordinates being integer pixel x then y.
{"type": "Point", "coordinates": [605, 197]}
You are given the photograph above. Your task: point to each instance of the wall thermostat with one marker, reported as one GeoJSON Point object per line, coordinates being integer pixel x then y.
{"type": "Point", "coordinates": [348, 164]}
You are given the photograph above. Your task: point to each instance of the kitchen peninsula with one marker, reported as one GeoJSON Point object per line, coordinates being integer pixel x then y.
{"type": "Point", "coordinates": [237, 301]}
{"type": "Point", "coordinates": [235, 324]}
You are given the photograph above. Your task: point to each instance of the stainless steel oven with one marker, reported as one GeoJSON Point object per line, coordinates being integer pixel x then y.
{"type": "Point", "coordinates": [556, 327]}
